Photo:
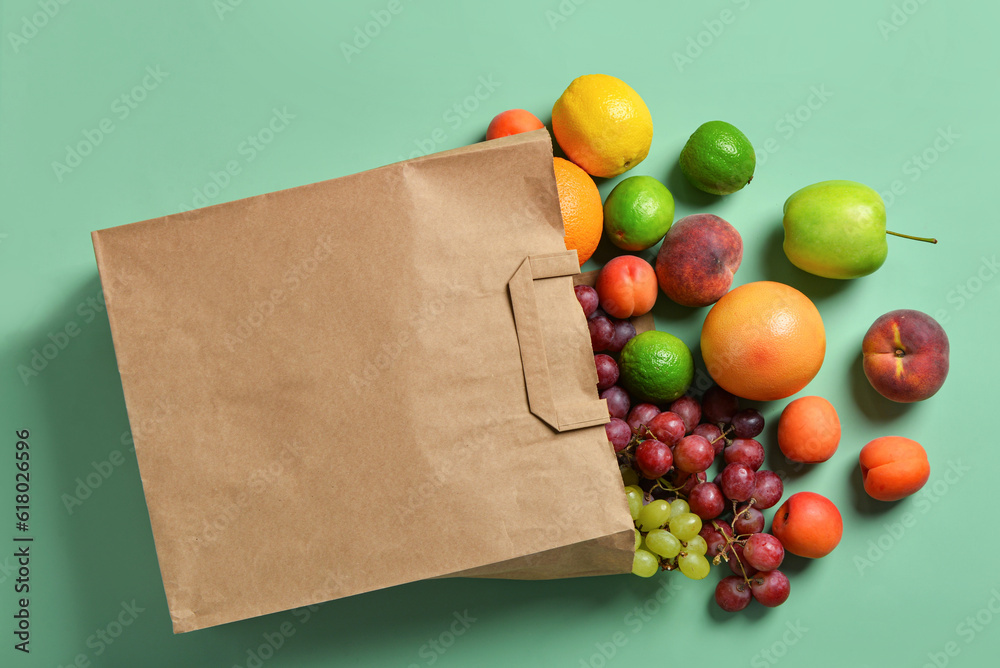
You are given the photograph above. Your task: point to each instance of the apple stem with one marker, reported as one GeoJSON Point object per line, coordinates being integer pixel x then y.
{"type": "Point", "coordinates": [907, 236]}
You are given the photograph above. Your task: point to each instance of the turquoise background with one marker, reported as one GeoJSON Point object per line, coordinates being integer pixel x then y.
{"type": "Point", "coordinates": [891, 82]}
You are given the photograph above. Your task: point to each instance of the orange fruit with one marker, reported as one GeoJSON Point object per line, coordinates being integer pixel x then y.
{"type": "Point", "coordinates": [582, 210]}
{"type": "Point", "coordinates": [763, 341]}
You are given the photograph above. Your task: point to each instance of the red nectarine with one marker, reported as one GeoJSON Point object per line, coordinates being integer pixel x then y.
{"type": "Point", "coordinates": [512, 122]}
{"type": "Point", "coordinates": [627, 286]}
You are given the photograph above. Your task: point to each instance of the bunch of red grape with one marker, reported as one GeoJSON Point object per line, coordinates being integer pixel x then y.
{"type": "Point", "coordinates": [683, 520]}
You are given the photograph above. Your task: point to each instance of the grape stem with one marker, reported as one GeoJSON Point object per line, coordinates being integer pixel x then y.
{"type": "Point", "coordinates": [664, 485]}
{"type": "Point", "coordinates": [737, 539]}
{"type": "Point", "coordinates": [746, 509]}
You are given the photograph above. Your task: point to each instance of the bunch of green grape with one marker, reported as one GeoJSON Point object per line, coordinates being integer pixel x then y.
{"type": "Point", "coordinates": [666, 536]}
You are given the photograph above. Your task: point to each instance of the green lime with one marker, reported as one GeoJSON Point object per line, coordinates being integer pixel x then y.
{"type": "Point", "coordinates": [656, 367]}
{"type": "Point", "coordinates": [638, 212]}
{"type": "Point", "coordinates": [718, 158]}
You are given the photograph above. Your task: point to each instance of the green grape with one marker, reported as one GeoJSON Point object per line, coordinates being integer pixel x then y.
{"type": "Point", "coordinates": [638, 539]}
{"type": "Point", "coordinates": [634, 496]}
{"type": "Point", "coordinates": [629, 476]}
{"type": "Point", "coordinates": [654, 515]}
{"type": "Point", "coordinates": [679, 507]}
{"type": "Point", "coordinates": [645, 564]}
{"type": "Point", "coordinates": [695, 566]}
{"type": "Point", "coordinates": [663, 543]}
{"type": "Point", "coordinates": [696, 545]}
{"type": "Point", "coordinates": [685, 526]}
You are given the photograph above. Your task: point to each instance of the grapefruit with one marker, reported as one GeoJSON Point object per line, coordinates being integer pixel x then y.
{"type": "Point", "coordinates": [763, 341]}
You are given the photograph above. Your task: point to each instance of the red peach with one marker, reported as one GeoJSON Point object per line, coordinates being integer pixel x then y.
{"type": "Point", "coordinates": [893, 467]}
{"type": "Point", "coordinates": [627, 286]}
{"type": "Point", "coordinates": [698, 258]}
{"type": "Point", "coordinates": [513, 122]}
{"type": "Point", "coordinates": [808, 524]}
{"type": "Point", "coordinates": [906, 355]}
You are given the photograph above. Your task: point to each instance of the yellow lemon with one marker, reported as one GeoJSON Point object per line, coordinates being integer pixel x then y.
{"type": "Point", "coordinates": [602, 125]}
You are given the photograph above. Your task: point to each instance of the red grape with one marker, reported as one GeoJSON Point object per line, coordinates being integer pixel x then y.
{"type": "Point", "coordinates": [764, 552]}
{"type": "Point", "coordinates": [601, 333]}
{"type": "Point", "coordinates": [640, 415]}
{"type": "Point", "coordinates": [750, 520]}
{"type": "Point", "coordinates": [737, 481]}
{"type": "Point", "coordinates": [689, 410]}
{"type": "Point", "coordinates": [706, 501]}
{"type": "Point", "coordinates": [748, 423]}
{"type": "Point", "coordinates": [719, 406]}
{"type": "Point", "coordinates": [737, 558]}
{"type": "Point", "coordinates": [587, 296]}
{"type": "Point", "coordinates": [599, 313]}
{"type": "Point", "coordinates": [714, 436]}
{"type": "Point", "coordinates": [769, 489]}
{"type": "Point", "coordinates": [745, 451]}
{"type": "Point", "coordinates": [607, 371]}
{"type": "Point", "coordinates": [693, 454]}
{"type": "Point", "coordinates": [624, 331]}
{"type": "Point", "coordinates": [770, 588]}
{"type": "Point", "coordinates": [618, 401]}
{"type": "Point", "coordinates": [716, 538]}
{"type": "Point", "coordinates": [618, 433]}
{"type": "Point", "coordinates": [688, 481]}
{"type": "Point", "coordinates": [667, 427]}
{"type": "Point", "coordinates": [732, 593]}
{"type": "Point", "coordinates": [653, 458]}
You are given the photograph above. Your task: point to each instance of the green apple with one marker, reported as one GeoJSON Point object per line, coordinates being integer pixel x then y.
{"type": "Point", "coordinates": [836, 229]}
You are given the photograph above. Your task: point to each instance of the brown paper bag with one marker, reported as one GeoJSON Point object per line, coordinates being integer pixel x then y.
{"type": "Point", "coordinates": [396, 353]}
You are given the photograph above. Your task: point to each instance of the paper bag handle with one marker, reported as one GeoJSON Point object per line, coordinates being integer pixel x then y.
{"type": "Point", "coordinates": [537, 378]}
